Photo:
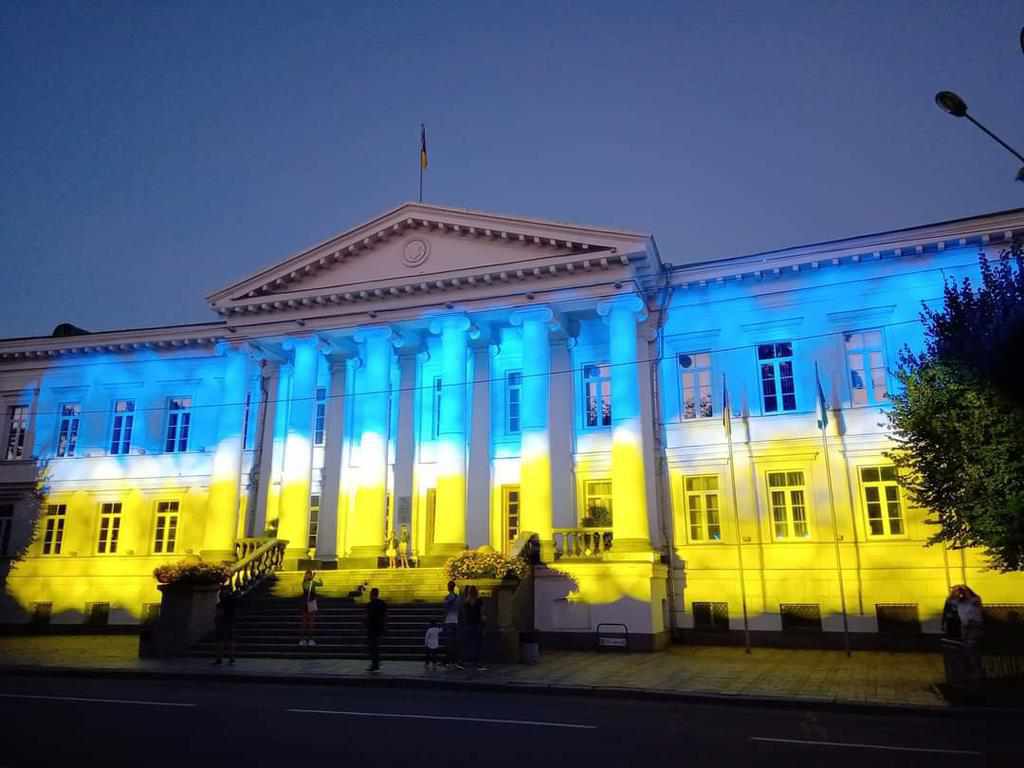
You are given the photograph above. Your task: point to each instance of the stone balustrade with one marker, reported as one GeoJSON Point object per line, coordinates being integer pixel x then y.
{"type": "Point", "coordinates": [260, 558]}
{"type": "Point", "coordinates": [581, 543]}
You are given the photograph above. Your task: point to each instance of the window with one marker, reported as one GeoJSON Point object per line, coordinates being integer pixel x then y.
{"type": "Point", "coordinates": [6, 523]}
{"type": "Point", "coordinates": [702, 508]}
{"type": "Point", "coordinates": [435, 408]}
{"type": "Point", "coordinates": [513, 400]}
{"type": "Point", "coordinates": [777, 389]}
{"type": "Point", "coordinates": [121, 434]}
{"type": "Point", "coordinates": [166, 536]}
{"type": "Point", "coordinates": [712, 617]}
{"type": "Point", "coordinates": [179, 419]}
{"type": "Point", "coordinates": [320, 416]}
{"type": "Point", "coordinates": [110, 528]}
{"type": "Point", "coordinates": [314, 520]}
{"type": "Point", "coordinates": [695, 380]}
{"type": "Point", "coordinates": [53, 530]}
{"type": "Point", "coordinates": [882, 501]}
{"type": "Point", "coordinates": [597, 389]}
{"type": "Point", "coordinates": [17, 422]}
{"type": "Point", "coordinates": [866, 362]}
{"type": "Point", "coordinates": [246, 415]}
{"type": "Point", "coordinates": [598, 503]}
{"type": "Point", "coordinates": [67, 436]}
{"type": "Point", "coordinates": [789, 507]}
{"type": "Point", "coordinates": [510, 504]}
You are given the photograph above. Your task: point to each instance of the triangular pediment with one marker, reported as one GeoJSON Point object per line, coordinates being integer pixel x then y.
{"type": "Point", "coordinates": [424, 248]}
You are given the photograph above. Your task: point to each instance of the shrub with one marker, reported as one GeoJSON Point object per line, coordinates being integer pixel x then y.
{"type": "Point", "coordinates": [485, 565]}
{"type": "Point", "coordinates": [195, 572]}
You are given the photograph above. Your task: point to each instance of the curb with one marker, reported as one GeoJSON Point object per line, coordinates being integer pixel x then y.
{"type": "Point", "coordinates": [556, 689]}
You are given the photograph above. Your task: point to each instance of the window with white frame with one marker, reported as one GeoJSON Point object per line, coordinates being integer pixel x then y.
{"type": "Point", "coordinates": [597, 503]}
{"type": "Point", "coordinates": [6, 524]}
{"type": "Point", "coordinates": [597, 393]}
{"type": "Point", "coordinates": [882, 500]}
{"type": "Point", "coordinates": [17, 425]}
{"type": "Point", "coordinates": [435, 407]}
{"type": "Point", "coordinates": [787, 497]}
{"type": "Point", "coordinates": [695, 383]}
{"type": "Point", "coordinates": [121, 431]}
{"type": "Point", "coordinates": [53, 528]}
{"type": "Point", "coordinates": [314, 521]}
{"type": "Point", "coordinates": [320, 415]}
{"type": "Point", "coordinates": [702, 508]}
{"type": "Point", "coordinates": [110, 528]}
{"type": "Point", "coordinates": [67, 434]}
{"type": "Point", "coordinates": [179, 422]}
{"type": "Point", "coordinates": [865, 359]}
{"type": "Point", "coordinates": [513, 401]}
{"type": "Point", "coordinates": [775, 362]}
{"type": "Point", "coordinates": [165, 537]}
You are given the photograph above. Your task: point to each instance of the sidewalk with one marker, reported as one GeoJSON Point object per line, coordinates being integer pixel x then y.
{"type": "Point", "coordinates": [868, 678]}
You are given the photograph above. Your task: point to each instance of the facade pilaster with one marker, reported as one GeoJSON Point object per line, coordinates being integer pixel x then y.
{"type": "Point", "coordinates": [226, 477]}
{"type": "Point", "coordinates": [630, 520]}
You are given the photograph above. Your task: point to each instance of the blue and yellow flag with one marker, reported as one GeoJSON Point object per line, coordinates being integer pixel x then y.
{"type": "Point", "coordinates": [423, 147]}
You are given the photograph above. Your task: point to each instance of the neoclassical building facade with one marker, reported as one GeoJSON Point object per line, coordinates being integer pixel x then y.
{"type": "Point", "coordinates": [470, 379]}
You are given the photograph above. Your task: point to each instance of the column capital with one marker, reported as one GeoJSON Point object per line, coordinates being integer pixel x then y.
{"type": "Point", "coordinates": [261, 352]}
{"type": "Point", "coordinates": [292, 344]}
{"type": "Point", "coordinates": [456, 321]}
{"type": "Point", "coordinates": [373, 333]}
{"type": "Point", "coordinates": [626, 303]}
{"type": "Point", "coordinates": [533, 314]}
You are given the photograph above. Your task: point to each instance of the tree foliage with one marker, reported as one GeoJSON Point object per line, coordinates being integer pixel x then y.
{"type": "Point", "coordinates": [958, 423]}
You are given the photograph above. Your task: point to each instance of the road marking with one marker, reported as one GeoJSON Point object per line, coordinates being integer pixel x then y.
{"type": "Point", "coordinates": [850, 745]}
{"type": "Point", "coordinates": [499, 721]}
{"type": "Point", "coordinates": [96, 701]}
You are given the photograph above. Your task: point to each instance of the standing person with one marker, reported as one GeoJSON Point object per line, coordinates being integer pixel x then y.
{"type": "Point", "coordinates": [376, 619]}
{"type": "Point", "coordinates": [950, 614]}
{"type": "Point", "coordinates": [452, 607]}
{"type": "Point", "coordinates": [392, 550]}
{"type": "Point", "coordinates": [432, 642]}
{"type": "Point", "coordinates": [226, 603]}
{"type": "Point", "coordinates": [473, 612]}
{"type": "Point", "coordinates": [403, 546]}
{"type": "Point", "coordinates": [309, 607]}
{"type": "Point", "coordinates": [972, 629]}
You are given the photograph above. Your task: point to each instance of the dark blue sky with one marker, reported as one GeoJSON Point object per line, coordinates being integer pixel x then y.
{"type": "Point", "coordinates": [153, 153]}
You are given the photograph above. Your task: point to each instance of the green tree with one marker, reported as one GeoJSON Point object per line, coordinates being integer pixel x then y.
{"type": "Point", "coordinates": [958, 422]}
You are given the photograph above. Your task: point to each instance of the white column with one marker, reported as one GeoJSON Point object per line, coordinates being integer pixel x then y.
{"type": "Point", "coordinates": [270, 380]}
{"type": "Point", "coordinates": [478, 512]}
{"type": "Point", "coordinates": [450, 524]}
{"type": "Point", "coordinates": [535, 454]}
{"type": "Point", "coordinates": [330, 501]}
{"type": "Point", "coordinates": [405, 448]}
{"type": "Point", "coordinates": [630, 523]}
{"type": "Point", "coordinates": [298, 448]}
{"type": "Point", "coordinates": [560, 419]}
{"type": "Point", "coordinates": [226, 477]}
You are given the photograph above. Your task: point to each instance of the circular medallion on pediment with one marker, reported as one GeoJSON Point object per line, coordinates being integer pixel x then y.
{"type": "Point", "coordinates": [415, 252]}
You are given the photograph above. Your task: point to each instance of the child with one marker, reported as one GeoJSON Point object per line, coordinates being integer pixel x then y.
{"type": "Point", "coordinates": [432, 641]}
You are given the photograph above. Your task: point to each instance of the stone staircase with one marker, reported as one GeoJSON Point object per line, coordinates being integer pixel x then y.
{"type": "Point", "coordinates": [269, 622]}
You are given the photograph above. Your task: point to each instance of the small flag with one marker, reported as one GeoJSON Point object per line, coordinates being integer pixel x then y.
{"type": "Point", "coordinates": [726, 410]}
{"type": "Point", "coordinates": [423, 148]}
{"type": "Point", "coordinates": [822, 403]}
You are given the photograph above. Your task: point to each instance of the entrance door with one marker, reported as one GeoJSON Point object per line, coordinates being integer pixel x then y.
{"type": "Point", "coordinates": [509, 515]}
{"type": "Point", "coordinates": [428, 544]}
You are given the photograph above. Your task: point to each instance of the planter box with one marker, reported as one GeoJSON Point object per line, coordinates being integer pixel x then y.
{"type": "Point", "coordinates": [188, 612]}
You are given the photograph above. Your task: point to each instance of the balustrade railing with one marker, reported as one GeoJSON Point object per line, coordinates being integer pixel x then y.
{"type": "Point", "coordinates": [581, 543]}
{"type": "Point", "coordinates": [257, 558]}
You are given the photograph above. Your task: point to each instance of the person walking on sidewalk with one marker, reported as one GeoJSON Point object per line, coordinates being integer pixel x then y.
{"type": "Point", "coordinates": [309, 607]}
{"type": "Point", "coordinates": [376, 620]}
{"type": "Point", "coordinates": [226, 603]}
{"type": "Point", "coordinates": [473, 612]}
{"type": "Point", "coordinates": [452, 607]}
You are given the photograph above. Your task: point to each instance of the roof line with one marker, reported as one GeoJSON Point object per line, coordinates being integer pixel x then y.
{"type": "Point", "coordinates": [92, 334]}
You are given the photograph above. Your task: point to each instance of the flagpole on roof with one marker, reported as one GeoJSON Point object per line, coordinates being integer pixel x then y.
{"type": "Point", "coordinates": [423, 157]}
{"type": "Point", "coordinates": [727, 426]}
{"type": "Point", "coordinates": [823, 426]}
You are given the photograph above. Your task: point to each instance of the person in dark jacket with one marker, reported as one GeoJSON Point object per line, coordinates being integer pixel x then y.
{"type": "Point", "coordinates": [474, 619]}
{"type": "Point", "coordinates": [226, 604]}
{"type": "Point", "coordinates": [376, 619]}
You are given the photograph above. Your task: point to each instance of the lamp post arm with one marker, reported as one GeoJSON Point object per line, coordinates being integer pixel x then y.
{"type": "Point", "coordinates": [1014, 152]}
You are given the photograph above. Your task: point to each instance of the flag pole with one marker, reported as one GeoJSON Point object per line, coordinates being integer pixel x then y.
{"type": "Point", "coordinates": [823, 425]}
{"type": "Point", "coordinates": [727, 422]}
{"type": "Point", "coordinates": [423, 156]}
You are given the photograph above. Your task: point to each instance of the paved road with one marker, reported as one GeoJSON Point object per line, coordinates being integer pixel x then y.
{"type": "Point", "coordinates": [54, 721]}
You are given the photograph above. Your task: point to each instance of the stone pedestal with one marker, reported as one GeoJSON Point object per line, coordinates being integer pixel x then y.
{"type": "Point", "coordinates": [187, 613]}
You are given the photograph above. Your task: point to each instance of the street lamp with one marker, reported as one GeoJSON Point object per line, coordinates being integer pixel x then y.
{"type": "Point", "coordinates": [957, 107]}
